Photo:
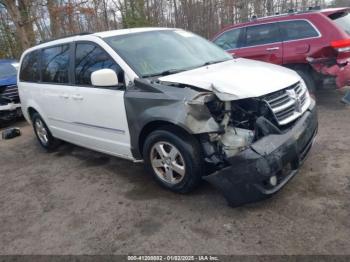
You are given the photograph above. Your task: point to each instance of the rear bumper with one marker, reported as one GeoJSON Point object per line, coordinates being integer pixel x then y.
{"type": "Point", "coordinates": [247, 178]}
{"type": "Point", "coordinates": [340, 71]}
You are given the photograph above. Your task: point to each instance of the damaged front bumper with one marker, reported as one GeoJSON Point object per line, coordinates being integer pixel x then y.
{"type": "Point", "coordinates": [10, 111]}
{"type": "Point", "coordinates": [247, 178]}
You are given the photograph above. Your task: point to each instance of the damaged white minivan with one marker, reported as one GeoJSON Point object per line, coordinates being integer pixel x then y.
{"type": "Point", "coordinates": [176, 101]}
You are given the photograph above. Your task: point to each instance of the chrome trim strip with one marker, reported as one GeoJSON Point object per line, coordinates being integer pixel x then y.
{"type": "Point", "coordinates": [100, 127]}
{"type": "Point", "coordinates": [295, 114]}
{"type": "Point", "coordinates": [278, 42]}
{"type": "Point", "coordinates": [89, 125]}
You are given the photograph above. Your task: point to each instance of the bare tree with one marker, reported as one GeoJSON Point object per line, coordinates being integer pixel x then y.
{"type": "Point", "coordinates": [25, 22]}
{"type": "Point", "coordinates": [20, 14]}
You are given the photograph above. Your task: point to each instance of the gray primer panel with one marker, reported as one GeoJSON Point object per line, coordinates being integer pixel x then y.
{"type": "Point", "coordinates": [147, 101]}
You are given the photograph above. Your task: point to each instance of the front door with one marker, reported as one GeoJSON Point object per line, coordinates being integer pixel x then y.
{"type": "Point", "coordinates": [263, 43]}
{"type": "Point", "coordinates": [99, 115]}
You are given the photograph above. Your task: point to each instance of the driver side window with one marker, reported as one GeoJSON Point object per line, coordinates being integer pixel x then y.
{"type": "Point", "coordinates": [90, 57]}
{"type": "Point", "coordinates": [229, 39]}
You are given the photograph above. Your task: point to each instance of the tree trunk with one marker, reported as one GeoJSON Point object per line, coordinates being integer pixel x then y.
{"type": "Point", "coordinates": [54, 13]}
{"type": "Point", "coordinates": [26, 39]}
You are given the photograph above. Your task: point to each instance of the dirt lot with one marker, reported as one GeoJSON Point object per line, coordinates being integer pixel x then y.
{"type": "Point", "coordinates": [76, 201]}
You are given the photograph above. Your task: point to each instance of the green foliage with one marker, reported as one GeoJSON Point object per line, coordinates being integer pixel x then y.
{"type": "Point", "coordinates": [134, 14]}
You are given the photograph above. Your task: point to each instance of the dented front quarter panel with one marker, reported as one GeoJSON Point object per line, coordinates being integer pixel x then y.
{"type": "Point", "coordinates": [148, 101]}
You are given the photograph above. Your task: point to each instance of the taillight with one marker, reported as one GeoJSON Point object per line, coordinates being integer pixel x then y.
{"type": "Point", "coordinates": [341, 45]}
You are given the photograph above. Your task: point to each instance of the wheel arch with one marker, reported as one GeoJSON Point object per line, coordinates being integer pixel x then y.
{"type": "Point", "coordinates": [31, 111]}
{"type": "Point", "coordinates": [157, 125]}
{"type": "Point", "coordinates": [30, 107]}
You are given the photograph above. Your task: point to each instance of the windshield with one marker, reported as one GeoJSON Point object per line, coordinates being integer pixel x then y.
{"type": "Point", "coordinates": [165, 52]}
{"type": "Point", "coordinates": [343, 20]}
{"type": "Point", "coordinates": [7, 69]}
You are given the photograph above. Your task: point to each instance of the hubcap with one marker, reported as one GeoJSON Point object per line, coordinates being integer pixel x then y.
{"type": "Point", "coordinates": [167, 162]}
{"type": "Point", "coordinates": [41, 131]}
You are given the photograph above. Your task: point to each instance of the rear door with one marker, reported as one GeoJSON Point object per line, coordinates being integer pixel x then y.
{"type": "Point", "coordinates": [300, 39]}
{"type": "Point", "coordinates": [263, 43]}
{"type": "Point", "coordinates": [98, 113]}
{"type": "Point", "coordinates": [56, 90]}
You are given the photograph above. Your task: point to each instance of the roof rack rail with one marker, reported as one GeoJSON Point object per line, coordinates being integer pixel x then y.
{"type": "Point", "coordinates": [254, 17]}
{"type": "Point", "coordinates": [62, 37]}
{"type": "Point", "coordinates": [310, 9]}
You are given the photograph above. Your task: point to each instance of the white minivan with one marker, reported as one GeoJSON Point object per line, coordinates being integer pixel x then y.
{"type": "Point", "coordinates": [176, 101]}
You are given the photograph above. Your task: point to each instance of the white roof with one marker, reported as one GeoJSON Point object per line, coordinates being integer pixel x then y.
{"type": "Point", "coordinates": [128, 31]}
{"type": "Point", "coordinates": [98, 34]}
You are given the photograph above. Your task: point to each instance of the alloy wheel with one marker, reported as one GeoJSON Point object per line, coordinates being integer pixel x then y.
{"type": "Point", "coordinates": [41, 131]}
{"type": "Point", "coordinates": [168, 163]}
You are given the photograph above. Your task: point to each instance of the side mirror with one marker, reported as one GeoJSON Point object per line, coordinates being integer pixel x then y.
{"type": "Point", "coordinates": [104, 78]}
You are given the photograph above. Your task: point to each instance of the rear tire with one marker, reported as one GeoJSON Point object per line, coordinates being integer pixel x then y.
{"type": "Point", "coordinates": [173, 160]}
{"type": "Point", "coordinates": [43, 134]}
{"type": "Point", "coordinates": [308, 79]}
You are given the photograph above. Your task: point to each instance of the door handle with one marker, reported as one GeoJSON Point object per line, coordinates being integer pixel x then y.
{"type": "Point", "coordinates": [65, 96]}
{"type": "Point", "coordinates": [272, 48]}
{"type": "Point", "coordinates": [77, 97]}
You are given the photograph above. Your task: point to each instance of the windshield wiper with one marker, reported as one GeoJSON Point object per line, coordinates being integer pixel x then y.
{"type": "Point", "coordinates": [214, 62]}
{"type": "Point", "coordinates": [174, 71]}
{"type": "Point", "coordinates": [165, 73]}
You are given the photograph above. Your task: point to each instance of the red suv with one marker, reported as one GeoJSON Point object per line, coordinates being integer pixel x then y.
{"type": "Point", "coordinates": [316, 43]}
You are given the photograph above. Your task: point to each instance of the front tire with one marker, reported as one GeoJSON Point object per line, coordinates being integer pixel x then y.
{"type": "Point", "coordinates": [43, 134]}
{"type": "Point", "coordinates": [173, 160]}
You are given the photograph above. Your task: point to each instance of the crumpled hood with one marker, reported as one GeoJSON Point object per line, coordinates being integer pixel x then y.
{"type": "Point", "coordinates": [237, 79]}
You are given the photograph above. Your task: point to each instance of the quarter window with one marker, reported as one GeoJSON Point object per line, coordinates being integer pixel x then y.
{"type": "Point", "coordinates": [30, 67]}
{"type": "Point", "coordinates": [229, 39]}
{"type": "Point", "coordinates": [89, 58]}
{"type": "Point", "coordinates": [297, 29]}
{"type": "Point", "coordinates": [262, 34]}
{"type": "Point", "coordinates": [55, 64]}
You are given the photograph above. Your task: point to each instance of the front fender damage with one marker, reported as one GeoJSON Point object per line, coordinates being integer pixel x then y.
{"type": "Point", "coordinates": [147, 101]}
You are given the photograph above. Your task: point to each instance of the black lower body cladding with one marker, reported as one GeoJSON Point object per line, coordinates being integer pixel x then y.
{"type": "Point", "coordinates": [248, 177]}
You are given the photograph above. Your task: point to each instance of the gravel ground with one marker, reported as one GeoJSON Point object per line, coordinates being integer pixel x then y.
{"type": "Point", "coordinates": [76, 201]}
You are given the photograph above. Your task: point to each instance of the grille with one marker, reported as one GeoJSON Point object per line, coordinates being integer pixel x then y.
{"type": "Point", "coordinates": [288, 104]}
{"type": "Point", "coordinates": [10, 92]}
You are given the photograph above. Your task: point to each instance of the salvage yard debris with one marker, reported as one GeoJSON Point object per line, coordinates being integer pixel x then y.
{"type": "Point", "coordinates": [10, 133]}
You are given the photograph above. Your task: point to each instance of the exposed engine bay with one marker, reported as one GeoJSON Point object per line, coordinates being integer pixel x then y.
{"type": "Point", "coordinates": [241, 123]}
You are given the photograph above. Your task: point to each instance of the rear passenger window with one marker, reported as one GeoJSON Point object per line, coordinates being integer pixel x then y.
{"type": "Point", "coordinates": [297, 29]}
{"type": "Point", "coordinates": [30, 68]}
{"type": "Point", "coordinates": [262, 34]}
{"type": "Point", "coordinates": [229, 39]}
{"type": "Point", "coordinates": [55, 64]}
{"type": "Point", "coordinates": [90, 58]}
